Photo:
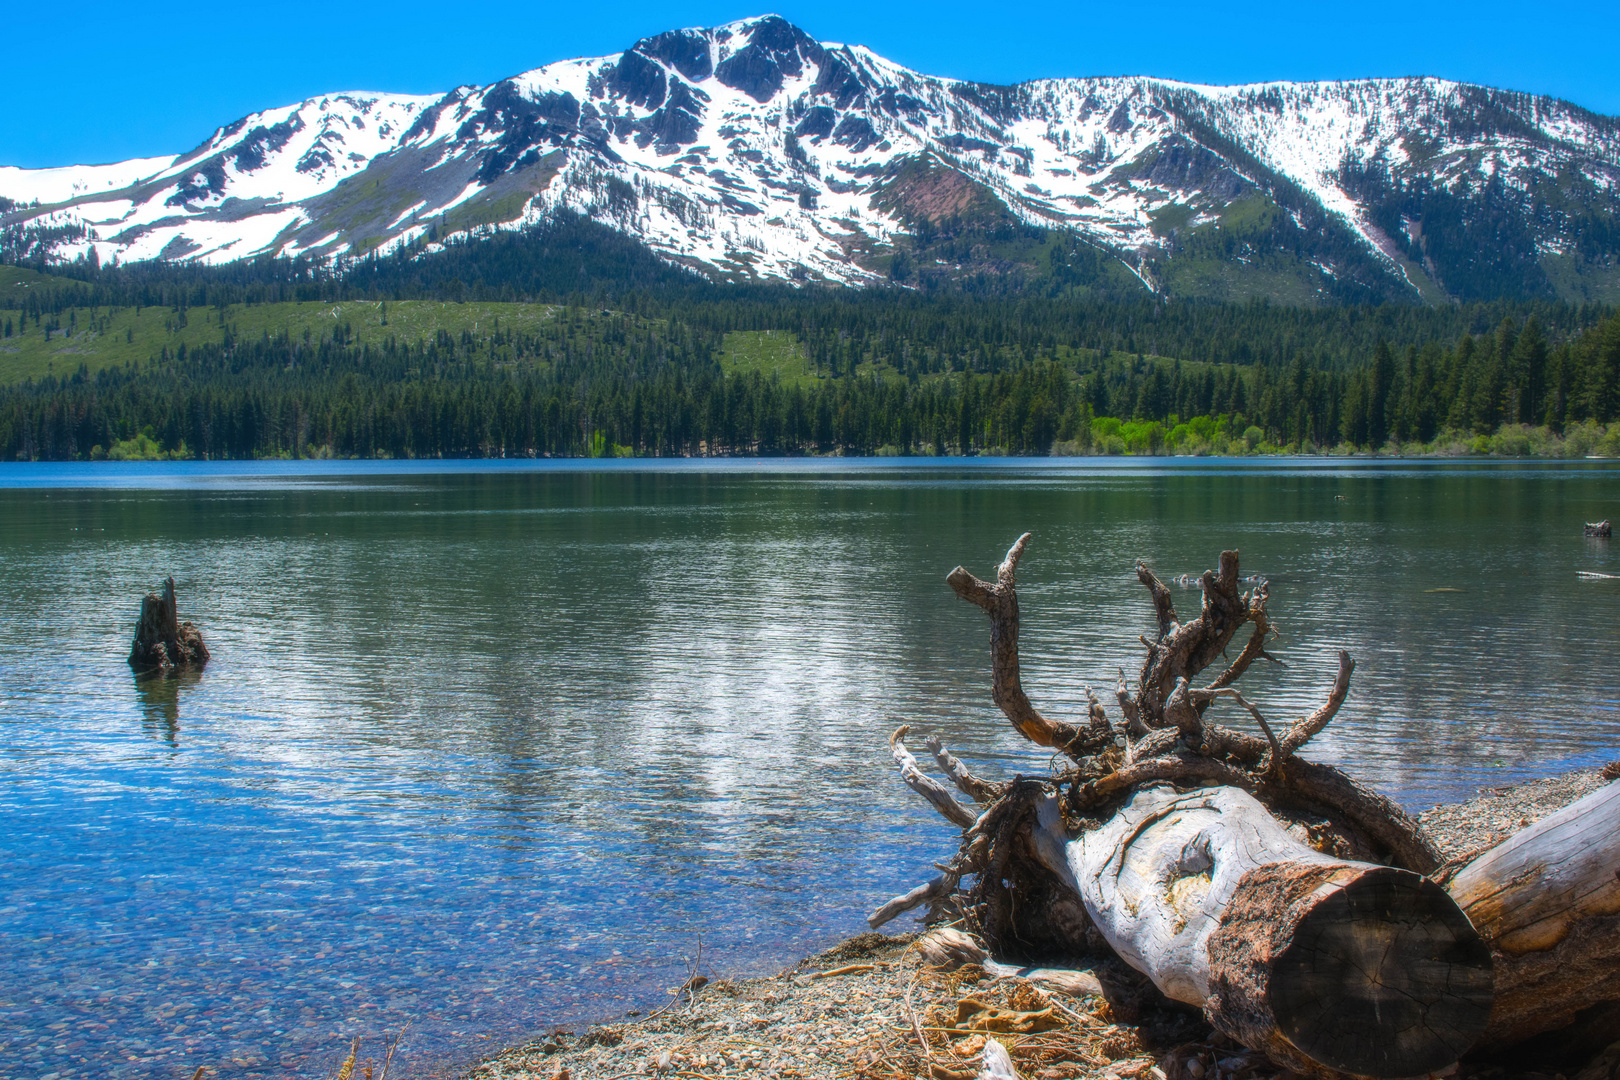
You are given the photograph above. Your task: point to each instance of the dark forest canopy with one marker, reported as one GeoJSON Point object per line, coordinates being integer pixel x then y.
{"type": "Point", "coordinates": [631, 362]}
{"type": "Point", "coordinates": [589, 384]}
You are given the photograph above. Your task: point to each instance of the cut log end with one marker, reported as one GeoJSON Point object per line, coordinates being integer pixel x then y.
{"type": "Point", "coordinates": [1371, 971]}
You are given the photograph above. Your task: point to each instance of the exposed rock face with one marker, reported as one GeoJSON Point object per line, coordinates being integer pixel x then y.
{"type": "Point", "coordinates": [162, 642]}
{"type": "Point", "coordinates": [757, 151]}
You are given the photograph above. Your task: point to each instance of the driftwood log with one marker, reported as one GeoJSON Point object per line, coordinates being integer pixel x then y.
{"type": "Point", "coordinates": [1599, 528]}
{"type": "Point", "coordinates": [162, 642]}
{"type": "Point", "coordinates": [1298, 909]}
{"type": "Point", "coordinates": [1323, 963]}
{"type": "Point", "coordinates": [1548, 902]}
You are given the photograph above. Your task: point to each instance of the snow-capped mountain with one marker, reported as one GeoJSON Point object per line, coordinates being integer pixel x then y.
{"type": "Point", "coordinates": [752, 150]}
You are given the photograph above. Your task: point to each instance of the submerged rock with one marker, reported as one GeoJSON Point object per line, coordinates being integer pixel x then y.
{"type": "Point", "coordinates": [162, 642]}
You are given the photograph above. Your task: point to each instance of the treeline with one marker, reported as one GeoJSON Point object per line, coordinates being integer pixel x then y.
{"type": "Point", "coordinates": [589, 384]}
{"type": "Point", "coordinates": [931, 335]}
{"type": "Point", "coordinates": [577, 262]}
{"type": "Point", "coordinates": [1512, 376]}
{"type": "Point", "coordinates": [891, 370]}
{"type": "Point", "coordinates": [570, 259]}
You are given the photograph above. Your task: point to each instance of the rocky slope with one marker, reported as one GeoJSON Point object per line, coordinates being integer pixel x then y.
{"type": "Point", "coordinates": [752, 150]}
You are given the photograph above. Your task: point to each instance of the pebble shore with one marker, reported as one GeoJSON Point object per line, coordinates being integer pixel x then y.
{"type": "Point", "coordinates": [871, 1009]}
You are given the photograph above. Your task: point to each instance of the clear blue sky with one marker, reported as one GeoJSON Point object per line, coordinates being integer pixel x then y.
{"type": "Point", "coordinates": [102, 82]}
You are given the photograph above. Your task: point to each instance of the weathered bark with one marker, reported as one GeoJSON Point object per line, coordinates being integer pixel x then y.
{"type": "Point", "coordinates": [1325, 964]}
{"type": "Point", "coordinates": [1548, 902]}
{"type": "Point", "coordinates": [1386, 831]}
{"type": "Point", "coordinates": [929, 788]}
{"type": "Point", "coordinates": [162, 642]}
{"type": "Point", "coordinates": [1000, 601]}
{"type": "Point", "coordinates": [1161, 843]}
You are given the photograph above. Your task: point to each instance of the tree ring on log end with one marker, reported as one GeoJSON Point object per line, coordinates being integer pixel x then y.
{"type": "Point", "coordinates": [1385, 976]}
{"type": "Point", "coordinates": [1372, 971]}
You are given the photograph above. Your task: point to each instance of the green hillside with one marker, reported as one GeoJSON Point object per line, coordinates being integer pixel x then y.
{"type": "Point", "coordinates": [94, 338]}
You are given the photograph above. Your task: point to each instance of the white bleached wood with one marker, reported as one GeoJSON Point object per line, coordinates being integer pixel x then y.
{"type": "Point", "coordinates": [965, 781]}
{"type": "Point", "coordinates": [1548, 902]}
{"type": "Point", "coordinates": [929, 891]}
{"type": "Point", "coordinates": [1329, 966]}
{"type": "Point", "coordinates": [1063, 980]}
{"type": "Point", "coordinates": [929, 788]}
{"type": "Point", "coordinates": [949, 948]}
{"type": "Point", "coordinates": [997, 1063]}
{"type": "Point", "coordinates": [1157, 877]}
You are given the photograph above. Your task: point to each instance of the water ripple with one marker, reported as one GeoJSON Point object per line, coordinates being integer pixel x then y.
{"type": "Point", "coordinates": [483, 750]}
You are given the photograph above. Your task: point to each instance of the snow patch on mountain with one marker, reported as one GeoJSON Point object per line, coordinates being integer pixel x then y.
{"type": "Point", "coordinates": [71, 181]}
{"type": "Point", "coordinates": [752, 150]}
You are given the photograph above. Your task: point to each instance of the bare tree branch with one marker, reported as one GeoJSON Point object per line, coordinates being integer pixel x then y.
{"type": "Point", "coordinates": [1162, 603]}
{"type": "Point", "coordinates": [1180, 713]}
{"type": "Point", "coordinates": [968, 784]}
{"type": "Point", "coordinates": [1096, 716]}
{"type": "Point", "coordinates": [1274, 763]}
{"type": "Point", "coordinates": [1127, 705]}
{"type": "Point", "coordinates": [927, 786]}
{"type": "Point", "coordinates": [1000, 602]}
{"type": "Point", "coordinates": [1256, 648]}
{"type": "Point", "coordinates": [1189, 648]}
{"type": "Point", "coordinates": [1224, 742]}
{"type": "Point", "coordinates": [1301, 732]}
{"type": "Point", "coordinates": [930, 890]}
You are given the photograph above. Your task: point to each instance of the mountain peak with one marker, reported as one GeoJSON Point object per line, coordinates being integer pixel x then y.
{"type": "Point", "coordinates": [752, 150]}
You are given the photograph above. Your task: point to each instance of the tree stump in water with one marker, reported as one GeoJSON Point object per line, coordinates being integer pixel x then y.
{"type": "Point", "coordinates": [1599, 528]}
{"type": "Point", "coordinates": [162, 642]}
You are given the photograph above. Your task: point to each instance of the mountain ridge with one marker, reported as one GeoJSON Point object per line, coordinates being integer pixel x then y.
{"type": "Point", "coordinates": [753, 151]}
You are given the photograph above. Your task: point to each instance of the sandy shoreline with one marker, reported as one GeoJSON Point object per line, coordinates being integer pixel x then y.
{"type": "Point", "coordinates": [870, 1008]}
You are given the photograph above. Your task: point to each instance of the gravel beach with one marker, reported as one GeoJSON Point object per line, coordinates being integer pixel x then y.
{"type": "Point", "coordinates": [872, 1009]}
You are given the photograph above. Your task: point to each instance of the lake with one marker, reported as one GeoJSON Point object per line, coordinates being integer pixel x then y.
{"type": "Point", "coordinates": [486, 747]}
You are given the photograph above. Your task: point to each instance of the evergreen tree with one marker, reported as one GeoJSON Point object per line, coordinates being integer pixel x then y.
{"type": "Point", "coordinates": [1380, 382]}
{"type": "Point", "coordinates": [1427, 395]}
{"type": "Point", "coordinates": [1603, 371]}
{"type": "Point", "coordinates": [1530, 365]}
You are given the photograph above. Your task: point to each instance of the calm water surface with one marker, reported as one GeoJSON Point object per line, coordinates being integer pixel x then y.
{"type": "Point", "coordinates": [483, 749]}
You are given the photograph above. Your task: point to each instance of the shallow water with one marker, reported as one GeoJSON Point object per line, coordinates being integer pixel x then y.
{"type": "Point", "coordinates": [485, 747]}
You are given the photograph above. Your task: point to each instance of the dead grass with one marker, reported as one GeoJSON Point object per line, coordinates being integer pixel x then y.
{"type": "Point", "coordinates": [866, 1010]}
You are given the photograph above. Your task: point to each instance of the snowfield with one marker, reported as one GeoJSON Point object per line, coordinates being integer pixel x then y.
{"type": "Point", "coordinates": [752, 150]}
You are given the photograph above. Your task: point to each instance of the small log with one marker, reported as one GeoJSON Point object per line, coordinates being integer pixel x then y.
{"type": "Point", "coordinates": [948, 948]}
{"type": "Point", "coordinates": [1599, 528]}
{"type": "Point", "coordinates": [1327, 965]}
{"type": "Point", "coordinates": [162, 642]}
{"type": "Point", "coordinates": [933, 889]}
{"type": "Point", "coordinates": [1547, 900]}
{"type": "Point", "coordinates": [1064, 980]}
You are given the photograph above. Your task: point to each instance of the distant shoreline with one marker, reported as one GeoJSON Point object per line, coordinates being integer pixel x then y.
{"type": "Point", "coordinates": [128, 473]}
